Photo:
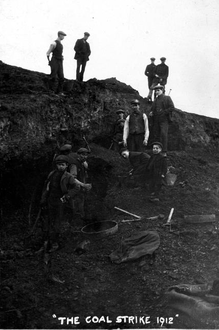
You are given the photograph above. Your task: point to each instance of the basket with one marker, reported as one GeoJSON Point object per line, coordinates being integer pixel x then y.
{"type": "Point", "coordinates": [100, 228]}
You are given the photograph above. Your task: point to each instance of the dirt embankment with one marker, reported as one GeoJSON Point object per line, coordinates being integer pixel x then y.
{"type": "Point", "coordinates": [90, 285]}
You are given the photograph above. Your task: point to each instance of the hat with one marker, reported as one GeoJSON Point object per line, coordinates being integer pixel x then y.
{"type": "Point", "coordinates": [66, 147]}
{"type": "Point", "coordinates": [83, 151]}
{"type": "Point", "coordinates": [120, 111]}
{"type": "Point", "coordinates": [158, 86]}
{"type": "Point", "coordinates": [152, 59]}
{"type": "Point", "coordinates": [61, 32]}
{"type": "Point", "coordinates": [158, 143]}
{"type": "Point", "coordinates": [163, 58]}
{"type": "Point", "coordinates": [61, 159]}
{"type": "Point", "coordinates": [87, 34]}
{"type": "Point", "coordinates": [135, 101]}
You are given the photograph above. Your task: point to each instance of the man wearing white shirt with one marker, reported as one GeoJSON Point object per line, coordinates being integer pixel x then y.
{"type": "Point", "coordinates": [136, 130]}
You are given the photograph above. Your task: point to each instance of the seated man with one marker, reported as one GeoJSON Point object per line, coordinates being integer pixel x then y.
{"type": "Point", "coordinates": [138, 161]}
{"type": "Point", "coordinates": [146, 168]}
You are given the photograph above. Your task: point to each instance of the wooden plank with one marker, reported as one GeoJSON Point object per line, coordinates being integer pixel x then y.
{"type": "Point", "coordinates": [200, 218]}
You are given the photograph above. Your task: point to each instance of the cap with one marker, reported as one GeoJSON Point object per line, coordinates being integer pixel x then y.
{"type": "Point", "coordinates": [163, 58]}
{"type": "Point", "coordinates": [61, 159]}
{"type": "Point", "coordinates": [158, 87]}
{"type": "Point", "coordinates": [135, 101]}
{"type": "Point", "coordinates": [87, 34]}
{"type": "Point", "coordinates": [66, 147]}
{"type": "Point", "coordinates": [158, 143]}
{"type": "Point", "coordinates": [120, 111]}
{"type": "Point", "coordinates": [61, 32]}
{"type": "Point", "coordinates": [83, 151]}
{"type": "Point", "coordinates": [152, 59]}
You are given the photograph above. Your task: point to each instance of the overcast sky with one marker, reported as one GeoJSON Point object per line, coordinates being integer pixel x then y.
{"type": "Point", "coordinates": [124, 34]}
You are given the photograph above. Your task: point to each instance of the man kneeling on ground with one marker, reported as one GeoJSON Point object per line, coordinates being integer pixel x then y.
{"type": "Point", "coordinates": [152, 171]}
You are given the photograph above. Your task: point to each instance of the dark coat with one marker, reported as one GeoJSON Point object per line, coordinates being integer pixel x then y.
{"type": "Point", "coordinates": [67, 182]}
{"type": "Point", "coordinates": [162, 70]}
{"type": "Point", "coordinates": [157, 166]}
{"type": "Point", "coordinates": [162, 108]}
{"type": "Point", "coordinates": [150, 70]}
{"type": "Point", "coordinates": [82, 49]}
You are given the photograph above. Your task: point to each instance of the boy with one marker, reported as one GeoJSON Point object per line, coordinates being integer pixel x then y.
{"type": "Point", "coordinates": [156, 171]}
{"type": "Point", "coordinates": [60, 187]}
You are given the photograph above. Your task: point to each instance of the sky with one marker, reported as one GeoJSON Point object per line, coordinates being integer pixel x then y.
{"type": "Point", "coordinates": [124, 34]}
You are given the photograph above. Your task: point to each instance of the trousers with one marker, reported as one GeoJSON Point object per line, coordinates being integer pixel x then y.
{"type": "Point", "coordinates": [135, 142]}
{"type": "Point", "coordinates": [81, 64]}
{"type": "Point", "coordinates": [56, 71]}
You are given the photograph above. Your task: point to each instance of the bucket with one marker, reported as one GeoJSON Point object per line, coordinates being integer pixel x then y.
{"type": "Point", "coordinates": [171, 179]}
{"type": "Point", "coordinates": [100, 228]}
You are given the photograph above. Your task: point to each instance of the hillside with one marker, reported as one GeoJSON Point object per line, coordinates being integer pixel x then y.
{"type": "Point", "coordinates": [31, 119]}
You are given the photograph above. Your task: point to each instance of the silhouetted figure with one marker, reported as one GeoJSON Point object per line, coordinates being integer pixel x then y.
{"type": "Point", "coordinates": [56, 63]}
{"type": "Point", "coordinates": [150, 73]}
{"type": "Point", "coordinates": [82, 53]}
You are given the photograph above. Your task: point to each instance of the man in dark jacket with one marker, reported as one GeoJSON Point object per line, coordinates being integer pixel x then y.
{"type": "Point", "coordinates": [136, 131]}
{"type": "Point", "coordinates": [82, 53]}
{"type": "Point", "coordinates": [56, 62]}
{"type": "Point", "coordinates": [58, 188]}
{"type": "Point", "coordinates": [150, 73]}
{"type": "Point", "coordinates": [161, 72]}
{"type": "Point", "coordinates": [161, 114]}
{"type": "Point", "coordinates": [156, 171]}
{"type": "Point", "coordinates": [147, 168]}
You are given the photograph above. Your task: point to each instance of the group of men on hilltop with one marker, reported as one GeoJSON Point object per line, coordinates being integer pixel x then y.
{"type": "Point", "coordinates": [157, 74]}
{"type": "Point", "coordinates": [82, 53]}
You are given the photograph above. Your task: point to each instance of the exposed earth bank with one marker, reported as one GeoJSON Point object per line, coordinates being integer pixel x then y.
{"type": "Point", "coordinates": [89, 284]}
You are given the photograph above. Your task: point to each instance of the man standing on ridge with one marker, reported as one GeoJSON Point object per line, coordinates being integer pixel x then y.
{"type": "Point", "coordinates": [162, 72]}
{"type": "Point", "coordinates": [161, 114]}
{"type": "Point", "coordinates": [82, 53]}
{"type": "Point", "coordinates": [150, 73]}
{"type": "Point", "coordinates": [56, 62]}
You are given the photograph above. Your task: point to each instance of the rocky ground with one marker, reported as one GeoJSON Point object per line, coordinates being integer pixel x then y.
{"type": "Point", "coordinates": [88, 284]}
{"type": "Point", "coordinates": [69, 289]}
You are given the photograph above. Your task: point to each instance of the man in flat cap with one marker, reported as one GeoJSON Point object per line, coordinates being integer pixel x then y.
{"type": "Point", "coordinates": [118, 126]}
{"type": "Point", "coordinates": [156, 171]}
{"type": "Point", "coordinates": [136, 130]}
{"type": "Point", "coordinates": [150, 73]}
{"type": "Point", "coordinates": [56, 63]}
{"type": "Point", "coordinates": [161, 115]}
{"type": "Point", "coordinates": [82, 53]}
{"type": "Point", "coordinates": [148, 168]}
{"type": "Point", "coordinates": [162, 72]}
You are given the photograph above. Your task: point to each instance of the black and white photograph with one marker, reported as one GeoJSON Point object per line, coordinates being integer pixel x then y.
{"type": "Point", "coordinates": [109, 164]}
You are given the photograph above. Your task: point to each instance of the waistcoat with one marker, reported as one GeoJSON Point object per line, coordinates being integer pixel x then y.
{"type": "Point", "coordinates": [136, 124]}
{"type": "Point", "coordinates": [57, 52]}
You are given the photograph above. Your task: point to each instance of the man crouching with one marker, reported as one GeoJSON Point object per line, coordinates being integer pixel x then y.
{"type": "Point", "coordinates": [147, 168]}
